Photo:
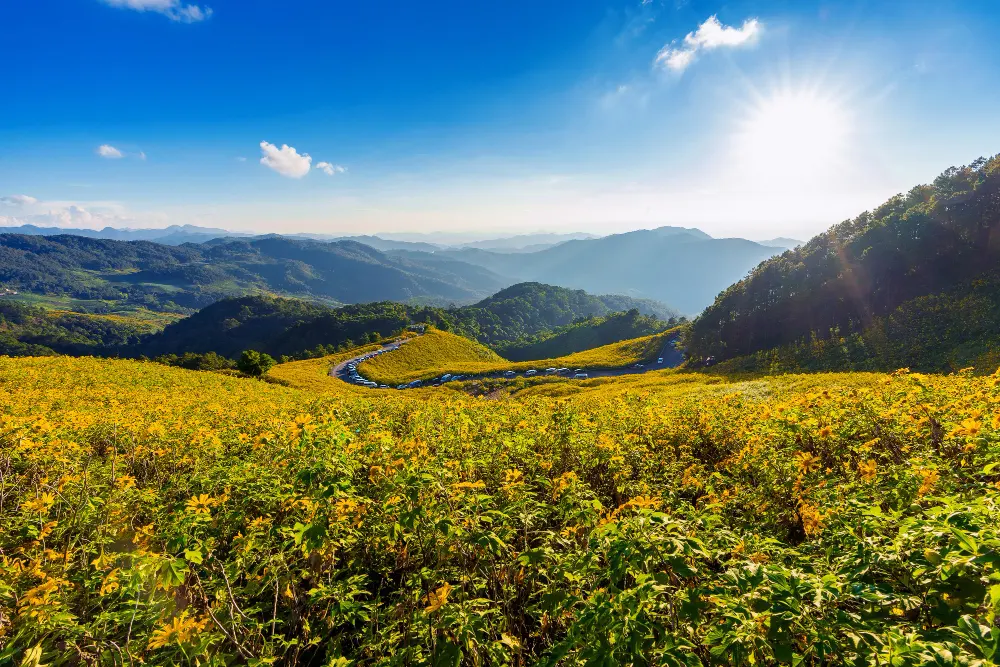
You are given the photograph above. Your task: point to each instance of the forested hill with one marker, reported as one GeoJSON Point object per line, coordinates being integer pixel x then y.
{"type": "Point", "coordinates": [583, 335]}
{"type": "Point", "coordinates": [520, 312]}
{"type": "Point", "coordinates": [187, 277]}
{"type": "Point", "coordinates": [291, 327]}
{"type": "Point", "coordinates": [927, 241]}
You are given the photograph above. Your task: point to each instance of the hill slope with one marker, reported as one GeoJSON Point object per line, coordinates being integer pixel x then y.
{"type": "Point", "coordinates": [585, 335]}
{"type": "Point", "coordinates": [424, 355]}
{"type": "Point", "coordinates": [438, 352]}
{"type": "Point", "coordinates": [191, 276]}
{"type": "Point", "coordinates": [847, 280]}
{"type": "Point", "coordinates": [289, 327]}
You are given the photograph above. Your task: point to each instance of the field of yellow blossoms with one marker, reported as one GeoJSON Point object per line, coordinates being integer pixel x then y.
{"type": "Point", "coordinates": [151, 515]}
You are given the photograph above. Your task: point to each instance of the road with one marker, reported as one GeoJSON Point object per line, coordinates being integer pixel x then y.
{"type": "Point", "coordinates": [340, 370]}
{"type": "Point", "coordinates": [672, 357]}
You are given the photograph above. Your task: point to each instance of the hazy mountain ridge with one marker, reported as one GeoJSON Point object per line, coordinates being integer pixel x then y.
{"type": "Point", "coordinates": [685, 268]}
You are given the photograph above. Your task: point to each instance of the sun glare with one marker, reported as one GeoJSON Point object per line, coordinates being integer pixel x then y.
{"type": "Point", "coordinates": [792, 134]}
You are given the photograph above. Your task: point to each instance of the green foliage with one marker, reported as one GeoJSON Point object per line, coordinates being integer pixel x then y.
{"type": "Point", "coordinates": [949, 331]}
{"type": "Point", "coordinates": [586, 334]}
{"type": "Point", "coordinates": [809, 520]}
{"type": "Point", "coordinates": [193, 361]}
{"type": "Point", "coordinates": [28, 331]}
{"type": "Point", "coordinates": [519, 314]}
{"type": "Point", "coordinates": [184, 278]}
{"type": "Point", "coordinates": [840, 283]}
{"type": "Point", "coordinates": [298, 329]}
{"type": "Point", "coordinates": [254, 363]}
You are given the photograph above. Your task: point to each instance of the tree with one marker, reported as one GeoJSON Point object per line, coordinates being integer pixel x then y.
{"type": "Point", "coordinates": [254, 363]}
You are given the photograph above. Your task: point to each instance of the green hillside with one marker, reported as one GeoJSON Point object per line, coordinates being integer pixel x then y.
{"type": "Point", "coordinates": [584, 335]}
{"type": "Point", "coordinates": [290, 327]}
{"type": "Point", "coordinates": [30, 331]}
{"type": "Point", "coordinates": [191, 276]}
{"type": "Point", "coordinates": [904, 283]}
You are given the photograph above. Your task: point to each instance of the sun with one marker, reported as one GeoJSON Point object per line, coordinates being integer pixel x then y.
{"type": "Point", "coordinates": [791, 134]}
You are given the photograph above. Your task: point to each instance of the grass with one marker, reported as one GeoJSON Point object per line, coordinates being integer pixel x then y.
{"type": "Point", "coordinates": [438, 352]}
{"type": "Point", "coordinates": [428, 355]}
{"type": "Point", "coordinates": [314, 374]}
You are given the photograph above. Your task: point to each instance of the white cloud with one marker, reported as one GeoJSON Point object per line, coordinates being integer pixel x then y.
{"type": "Point", "coordinates": [175, 10]}
{"type": "Point", "coordinates": [676, 59]}
{"type": "Point", "coordinates": [18, 200]}
{"type": "Point", "coordinates": [109, 152]}
{"type": "Point", "coordinates": [285, 160]}
{"type": "Point", "coordinates": [331, 169]}
{"type": "Point", "coordinates": [90, 214]}
{"type": "Point", "coordinates": [141, 155]}
{"type": "Point", "coordinates": [711, 34]}
{"type": "Point", "coordinates": [241, 159]}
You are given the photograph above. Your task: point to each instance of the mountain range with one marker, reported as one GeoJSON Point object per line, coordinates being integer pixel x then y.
{"type": "Point", "coordinates": [187, 267]}
{"type": "Point", "coordinates": [682, 267]}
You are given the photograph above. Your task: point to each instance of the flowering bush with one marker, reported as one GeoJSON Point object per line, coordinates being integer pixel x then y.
{"type": "Point", "coordinates": [157, 515]}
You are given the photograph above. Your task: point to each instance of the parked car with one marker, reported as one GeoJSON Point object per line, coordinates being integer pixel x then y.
{"type": "Point", "coordinates": [550, 371]}
{"type": "Point", "coordinates": [402, 386]}
{"type": "Point", "coordinates": [415, 384]}
{"type": "Point", "coordinates": [529, 373]}
{"type": "Point", "coordinates": [659, 360]}
{"type": "Point", "coordinates": [581, 376]}
{"type": "Point", "coordinates": [509, 374]}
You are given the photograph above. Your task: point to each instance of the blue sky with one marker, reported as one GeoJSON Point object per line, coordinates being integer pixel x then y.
{"type": "Point", "coordinates": [753, 119]}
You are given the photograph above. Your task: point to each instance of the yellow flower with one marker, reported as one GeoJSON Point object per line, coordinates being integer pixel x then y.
{"type": "Point", "coordinates": [180, 630]}
{"type": "Point", "coordinates": [201, 504]}
{"type": "Point", "coordinates": [812, 520]}
{"type": "Point", "coordinates": [41, 504]}
{"type": "Point", "coordinates": [868, 470]}
{"type": "Point", "coordinates": [437, 599]}
{"type": "Point", "coordinates": [930, 478]}
{"type": "Point", "coordinates": [110, 583]}
{"type": "Point", "coordinates": [807, 462]}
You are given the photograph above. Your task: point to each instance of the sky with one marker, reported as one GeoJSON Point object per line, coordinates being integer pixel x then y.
{"type": "Point", "coordinates": [754, 119]}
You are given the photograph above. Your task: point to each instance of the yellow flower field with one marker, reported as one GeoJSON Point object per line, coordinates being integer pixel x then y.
{"type": "Point", "coordinates": [439, 352]}
{"type": "Point", "coordinates": [161, 516]}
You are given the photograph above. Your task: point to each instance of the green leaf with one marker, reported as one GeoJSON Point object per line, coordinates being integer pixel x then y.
{"type": "Point", "coordinates": [447, 655]}
{"type": "Point", "coordinates": [173, 572]}
{"type": "Point", "coordinates": [965, 539]}
{"type": "Point", "coordinates": [193, 557]}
